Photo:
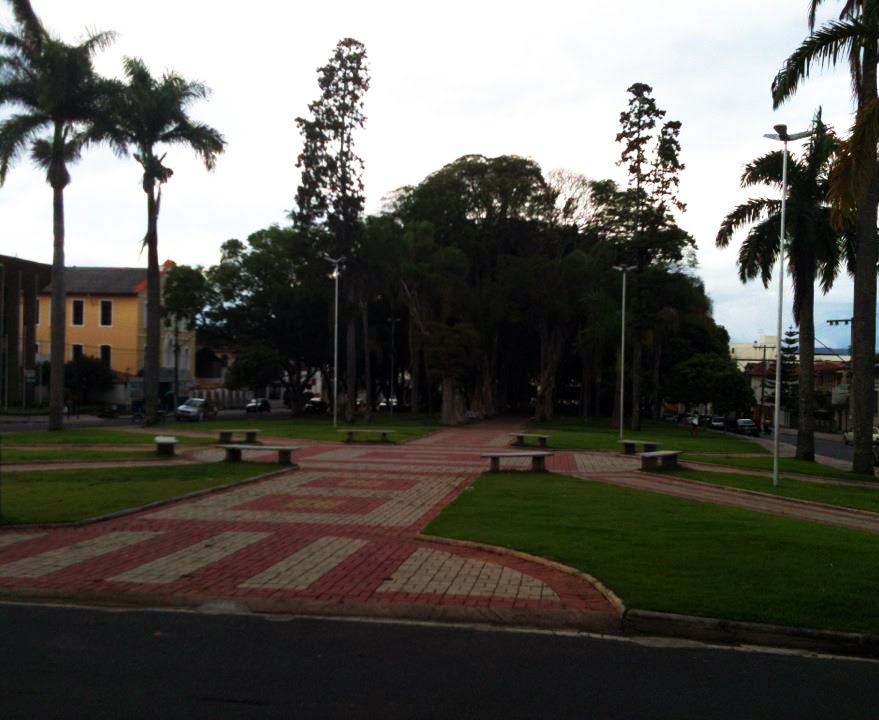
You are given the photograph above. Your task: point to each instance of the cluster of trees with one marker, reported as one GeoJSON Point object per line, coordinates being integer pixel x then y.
{"type": "Point", "coordinates": [57, 105]}
{"type": "Point", "coordinates": [487, 286]}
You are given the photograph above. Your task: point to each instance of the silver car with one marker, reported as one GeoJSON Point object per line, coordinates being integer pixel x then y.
{"type": "Point", "coordinates": [192, 409]}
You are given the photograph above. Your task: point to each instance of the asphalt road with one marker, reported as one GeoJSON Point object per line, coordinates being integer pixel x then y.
{"type": "Point", "coordinates": [79, 663]}
{"type": "Point", "coordinates": [829, 447]}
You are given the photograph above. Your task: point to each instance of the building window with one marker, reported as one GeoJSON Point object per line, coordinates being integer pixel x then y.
{"type": "Point", "coordinates": [37, 312]}
{"type": "Point", "coordinates": [76, 352]}
{"type": "Point", "coordinates": [78, 313]}
{"type": "Point", "coordinates": [36, 348]}
{"type": "Point", "coordinates": [106, 355]}
{"type": "Point", "coordinates": [106, 312]}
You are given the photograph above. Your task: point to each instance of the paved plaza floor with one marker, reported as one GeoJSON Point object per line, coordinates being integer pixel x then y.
{"type": "Point", "coordinates": [337, 535]}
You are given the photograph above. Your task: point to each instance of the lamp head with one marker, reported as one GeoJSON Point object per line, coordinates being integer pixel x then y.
{"type": "Point", "coordinates": [782, 131]}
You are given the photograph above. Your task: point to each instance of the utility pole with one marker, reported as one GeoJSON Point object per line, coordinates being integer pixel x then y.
{"type": "Point", "coordinates": [850, 322]}
{"type": "Point", "coordinates": [764, 348]}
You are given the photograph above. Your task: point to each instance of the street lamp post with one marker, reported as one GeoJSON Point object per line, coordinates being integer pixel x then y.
{"type": "Point", "coordinates": [336, 262]}
{"type": "Point", "coordinates": [624, 269]}
{"type": "Point", "coordinates": [782, 135]}
{"type": "Point", "coordinates": [764, 348]}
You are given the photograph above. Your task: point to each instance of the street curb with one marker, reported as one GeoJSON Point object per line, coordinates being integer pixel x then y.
{"type": "Point", "coordinates": [608, 594]}
{"type": "Point", "coordinates": [504, 616]}
{"type": "Point", "coordinates": [647, 622]}
{"type": "Point", "coordinates": [148, 506]}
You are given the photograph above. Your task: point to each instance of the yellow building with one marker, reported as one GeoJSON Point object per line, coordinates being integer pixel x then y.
{"type": "Point", "coordinates": [106, 318]}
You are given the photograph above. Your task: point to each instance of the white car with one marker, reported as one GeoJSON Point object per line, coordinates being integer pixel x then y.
{"type": "Point", "coordinates": [848, 437]}
{"type": "Point", "coordinates": [196, 409]}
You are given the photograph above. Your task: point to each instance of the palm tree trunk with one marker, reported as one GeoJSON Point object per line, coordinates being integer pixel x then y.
{"type": "Point", "coordinates": [864, 324]}
{"type": "Point", "coordinates": [59, 314]}
{"type": "Point", "coordinates": [152, 350]}
{"type": "Point", "coordinates": [806, 430]}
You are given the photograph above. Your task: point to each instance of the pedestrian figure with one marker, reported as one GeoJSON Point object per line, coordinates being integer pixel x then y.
{"type": "Point", "coordinates": [694, 426]}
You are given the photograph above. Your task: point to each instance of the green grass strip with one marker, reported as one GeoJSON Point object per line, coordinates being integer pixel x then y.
{"type": "Point", "coordinates": [675, 555]}
{"type": "Point", "coordinates": [575, 434]}
{"type": "Point", "coordinates": [74, 454]}
{"type": "Point", "coordinates": [785, 465]}
{"type": "Point", "coordinates": [863, 498]}
{"type": "Point", "coordinates": [72, 495]}
{"type": "Point", "coordinates": [93, 436]}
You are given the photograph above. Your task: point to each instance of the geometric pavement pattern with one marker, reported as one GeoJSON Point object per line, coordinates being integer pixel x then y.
{"type": "Point", "coordinates": [340, 529]}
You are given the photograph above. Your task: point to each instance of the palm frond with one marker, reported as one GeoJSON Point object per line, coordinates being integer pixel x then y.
{"type": "Point", "coordinates": [823, 48]}
{"type": "Point", "coordinates": [98, 41]}
{"type": "Point", "coordinates": [745, 214]}
{"type": "Point", "coordinates": [206, 142]}
{"type": "Point", "coordinates": [850, 175]}
{"type": "Point", "coordinates": [759, 250]}
{"type": "Point", "coordinates": [32, 31]}
{"type": "Point", "coordinates": [16, 133]}
{"type": "Point", "coordinates": [765, 170]}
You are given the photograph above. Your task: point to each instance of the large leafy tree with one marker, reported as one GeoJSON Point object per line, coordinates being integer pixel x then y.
{"type": "Point", "coordinates": [330, 193]}
{"type": "Point", "coordinates": [813, 247]}
{"type": "Point", "coordinates": [56, 98]}
{"type": "Point", "coordinates": [151, 113]}
{"type": "Point", "coordinates": [184, 297]}
{"type": "Point", "coordinates": [854, 37]}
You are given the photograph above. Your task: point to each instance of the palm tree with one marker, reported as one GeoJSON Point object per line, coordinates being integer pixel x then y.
{"type": "Point", "coordinates": [855, 182]}
{"type": "Point", "coordinates": [153, 112]}
{"type": "Point", "coordinates": [58, 98]}
{"type": "Point", "coordinates": [813, 247]}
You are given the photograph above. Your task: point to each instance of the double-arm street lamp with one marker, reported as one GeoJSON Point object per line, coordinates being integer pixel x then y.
{"type": "Point", "coordinates": [624, 269]}
{"type": "Point", "coordinates": [336, 262]}
{"type": "Point", "coordinates": [782, 135]}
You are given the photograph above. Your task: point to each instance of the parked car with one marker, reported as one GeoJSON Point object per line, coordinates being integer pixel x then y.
{"type": "Point", "coordinates": [259, 405]}
{"type": "Point", "coordinates": [718, 423]}
{"type": "Point", "coordinates": [196, 409]}
{"type": "Point", "coordinates": [315, 406]}
{"type": "Point", "coordinates": [746, 426]}
{"type": "Point", "coordinates": [848, 437]}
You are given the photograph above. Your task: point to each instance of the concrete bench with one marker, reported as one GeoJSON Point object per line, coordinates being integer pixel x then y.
{"type": "Point", "coordinates": [285, 452]}
{"type": "Point", "coordinates": [630, 447]}
{"type": "Point", "coordinates": [520, 439]}
{"type": "Point", "coordinates": [226, 436]}
{"type": "Point", "coordinates": [538, 459]}
{"type": "Point", "coordinates": [165, 445]}
{"type": "Point", "coordinates": [351, 432]}
{"type": "Point", "coordinates": [661, 458]}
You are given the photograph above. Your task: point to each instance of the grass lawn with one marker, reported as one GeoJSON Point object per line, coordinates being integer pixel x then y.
{"type": "Point", "coordinates": [92, 436]}
{"type": "Point", "coordinates": [674, 555]}
{"type": "Point", "coordinates": [575, 434]}
{"type": "Point", "coordinates": [785, 465]}
{"type": "Point", "coordinates": [406, 427]}
{"type": "Point", "coordinates": [74, 454]}
{"type": "Point", "coordinates": [71, 495]}
{"type": "Point", "coordinates": [864, 498]}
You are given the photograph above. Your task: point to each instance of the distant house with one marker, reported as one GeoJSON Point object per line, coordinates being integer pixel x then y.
{"type": "Point", "coordinates": [106, 318]}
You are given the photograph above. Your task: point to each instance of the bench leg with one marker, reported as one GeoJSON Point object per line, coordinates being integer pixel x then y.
{"type": "Point", "coordinates": [250, 438]}
{"type": "Point", "coordinates": [285, 457]}
{"type": "Point", "coordinates": [649, 447]}
{"type": "Point", "coordinates": [538, 463]}
{"type": "Point", "coordinates": [350, 438]}
{"type": "Point", "coordinates": [519, 441]}
{"type": "Point", "coordinates": [669, 462]}
{"type": "Point", "coordinates": [649, 463]}
{"type": "Point", "coordinates": [385, 438]}
{"type": "Point", "coordinates": [495, 464]}
{"type": "Point", "coordinates": [165, 450]}
{"type": "Point", "coordinates": [225, 438]}
{"type": "Point", "coordinates": [541, 442]}
{"type": "Point", "coordinates": [233, 454]}
{"type": "Point", "coordinates": [628, 448]}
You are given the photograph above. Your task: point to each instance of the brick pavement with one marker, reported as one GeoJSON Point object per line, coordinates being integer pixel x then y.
{"type": "Point", "coordinates": [337, 535]}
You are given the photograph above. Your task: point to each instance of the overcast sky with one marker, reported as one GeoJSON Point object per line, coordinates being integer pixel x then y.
{"type": "Point", "coordinates": [544, 80]}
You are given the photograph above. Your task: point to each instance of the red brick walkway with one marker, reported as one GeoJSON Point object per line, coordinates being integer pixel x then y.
{"type": "Point", "coordinates": [338, 535]}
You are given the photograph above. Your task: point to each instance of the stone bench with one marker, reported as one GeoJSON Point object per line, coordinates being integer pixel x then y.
{"type": "Point", "coordinates": [285, 452]}
{"type": "Point", "coordinates": [538, 459]}
{"type": "Point", "coordinates": [662, 458]}
{"type": "Point", "coordinates": [226, 436]}
{"type": "Point", "coordinates": [165, 445]}
{"type": "Point", "coordinates": [520, 439]}
{"type": "Point", "coordinates": [630, 447]}
{"type": "Point", "coordinates": [351, 432]}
